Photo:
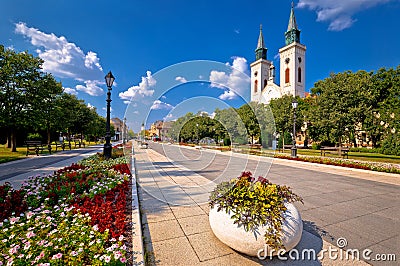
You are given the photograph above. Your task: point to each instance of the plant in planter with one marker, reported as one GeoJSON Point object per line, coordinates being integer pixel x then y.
{"type": "Point", "coordinates": [244, 208]}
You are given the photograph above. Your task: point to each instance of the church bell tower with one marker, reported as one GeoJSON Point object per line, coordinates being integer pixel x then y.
{"type": "Point", "coordinates": [292, 60]}
{"type": "Point", "coordinates": [259, 69]}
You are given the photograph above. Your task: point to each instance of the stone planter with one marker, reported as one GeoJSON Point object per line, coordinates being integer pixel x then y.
{"type": "Point", "coordinates": [246, 242]}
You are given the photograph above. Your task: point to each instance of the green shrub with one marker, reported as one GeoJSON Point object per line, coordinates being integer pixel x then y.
{"type": "Point", "coordinates": [391, 145]}
{"type": "Point", "coordinates": [316, 146]}
{"type": "Point", "coordinates": [34, 136]}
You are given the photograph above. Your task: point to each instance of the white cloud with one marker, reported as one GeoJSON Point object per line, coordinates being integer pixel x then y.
{"type": "Point", "coordinates": [65, 59]}
{"type": "Point", "coordinates": [70, 91]}
{"type": "Point", "coordinates": [227, 95]}
{"type": "Point", "coordinates": [181, 79]}
{"type": "Point", "coordinates": [158, 105]}
{"type": "Point", "coordinates": [169, 117]}
{"type": "Point", "coordinates": [127, 102]}
{"type": "Point", "coordinates": [339, 13]}
{"type": "Point", "coordinates": [237, 31]}
{"type": "Point", "coordinates": [89, 105]}
{"type": "Point", "coordinates": [90, 88]}
{"type": "Point", "coordinates": [235, 81]}
{"type": "Point", "coordinates": [105, 109]}
{"type": "Point", "coordinates": [140, 91]}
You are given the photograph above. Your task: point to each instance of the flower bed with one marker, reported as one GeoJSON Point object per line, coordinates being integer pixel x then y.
{"type": "Point", "coordinates": [374, 166]}
{"type": "Point", "coordinates": [76, 216]}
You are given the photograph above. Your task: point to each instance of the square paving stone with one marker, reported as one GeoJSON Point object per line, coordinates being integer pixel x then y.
{"type": "Point", "coordinates": [176, 251]}
{"type": "Point", "coordinates": [207, 246]}
{"type": "Point", "coordinates": [157, 215]}
{"type": "Point", "coordinates": [187, 211]}
{"type": "Point", "coordinates": [195, 224]}
{"type": "Point", "coordinates": [164, 230]}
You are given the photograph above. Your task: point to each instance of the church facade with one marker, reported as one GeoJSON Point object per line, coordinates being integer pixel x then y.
{"type": "Point", "coordinates": [292, 67]}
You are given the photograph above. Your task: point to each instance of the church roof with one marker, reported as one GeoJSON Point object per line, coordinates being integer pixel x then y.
{"type": "Point", "coordinates": [292, 20]}
{"type": "Point", "coordinates": [260, 43]}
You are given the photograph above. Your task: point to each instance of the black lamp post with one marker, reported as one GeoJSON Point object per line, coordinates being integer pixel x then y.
{"type": "Point", "coordinates": [107, 146]}
{"type": "Point", "coordinates": [124, 139]}
{"type": "Point", "coordinates": [294, 149]}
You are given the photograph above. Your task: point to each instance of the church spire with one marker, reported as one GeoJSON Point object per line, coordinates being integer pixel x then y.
{"type": "Point", "coordinates": [260, 43]}
{"type": "Point", "coordinates": [292, 34]}
{"type": "Point", "coordinates": [261, 51]}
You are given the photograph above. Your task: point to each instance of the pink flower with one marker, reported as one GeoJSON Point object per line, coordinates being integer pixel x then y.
{"type": "Point", "coordinates": [57, 256]}
{"type": "Point", "coordinates": [107, 259]}
{"type": "Point", "coordinates": [30, 234]}
{"type": "Point", "coordinates": [122, 259]}
{"type": "Point", "coordinates": [13, 220]}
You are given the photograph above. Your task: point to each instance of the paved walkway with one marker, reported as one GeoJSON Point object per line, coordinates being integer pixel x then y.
{"type": "Point", "coordinates": [175, 184]}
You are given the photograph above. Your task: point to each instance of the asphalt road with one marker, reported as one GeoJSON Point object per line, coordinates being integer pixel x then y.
{"type": "Point", "coordinates": [15, 171]}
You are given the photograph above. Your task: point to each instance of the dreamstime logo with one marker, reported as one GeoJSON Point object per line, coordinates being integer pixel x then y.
{"type": "Point", "coordinates": [189, 87]}
{"type": "Point", "coordinates": [332, 253]}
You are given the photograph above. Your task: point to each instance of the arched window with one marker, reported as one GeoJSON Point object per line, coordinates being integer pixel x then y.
{"type": "Point", "coordinates": [255, 85]}
{"type": "Point", "coordinates": [299, 74]}
{"type": "Point", "coordinates": [287, 75]}
{"type": "Point", "coordinates": [265, 83]}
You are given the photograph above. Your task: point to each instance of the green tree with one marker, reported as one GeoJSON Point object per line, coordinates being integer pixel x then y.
{"type": "Point", "coordinates": [283, 114]}
{"type": "Point", "coordinates": [342, 100]}
{"type": "Point", "coordinates": [20, 90]}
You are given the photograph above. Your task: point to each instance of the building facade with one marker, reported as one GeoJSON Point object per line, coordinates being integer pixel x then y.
{"type": "Point", "coordinates": [292, 67]}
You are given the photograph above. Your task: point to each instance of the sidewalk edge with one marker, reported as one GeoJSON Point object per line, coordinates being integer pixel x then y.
{"type": "Point", "coordinates": [138, 258]}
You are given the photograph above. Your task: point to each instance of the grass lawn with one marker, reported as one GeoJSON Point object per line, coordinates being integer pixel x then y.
{"type": "Point", "coordinates": [6, 155]}
{"type": "Point", "coordinates": [362, 156]}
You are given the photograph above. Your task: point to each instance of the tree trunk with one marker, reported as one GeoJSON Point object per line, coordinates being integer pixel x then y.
{"type": "Point", "coordinates": [48, 136]}
{"type": "Point", "coordinates": [340, 147]}
{"type": "Point", "coordinates": [8, 144]}
{"type": "Point", "coordinates": [283, 140]}
{"type": "Point", "coordinates": [13, 138]}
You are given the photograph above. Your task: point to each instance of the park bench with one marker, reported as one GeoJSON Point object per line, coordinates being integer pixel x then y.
{"type": "Point", "coordinates": [79, 143]}
{"type": "Point", "coordinates": [36, 146]}
{"type": "Point", "coordinates": [286, 146]}
{"type": "Point", "coordinates": [62, 145]}
{"type": "Point", "coordinates": [335, 150]}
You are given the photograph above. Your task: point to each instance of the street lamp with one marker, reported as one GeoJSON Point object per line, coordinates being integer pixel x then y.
{"type": "Point", "coordinates": [107, 146]}
{"type": "Point", "coordinates": [124, 132]}
{"type": "Point", "coordinates": [294, 149]}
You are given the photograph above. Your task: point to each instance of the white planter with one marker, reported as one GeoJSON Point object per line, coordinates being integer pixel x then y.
{"type": "Point", "coordinates": [246, 242]}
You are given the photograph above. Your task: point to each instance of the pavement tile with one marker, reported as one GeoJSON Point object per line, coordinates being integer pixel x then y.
{"type": "Point", "coordinates": [187, 211]}
{"type": "Point", "coordinates": [156, 215]}
{"type": "Point", "coordinates": [164, 230]}
{"type": "Point", "coordinates": [195, 224]}
{"type": "Point", "coordinates": [207, 246]}
{"type": "Point", "coordinates": [176, 251]}
{"type": "Point", "coordinates": [234, 259]}
{"type": "Point", "coordinates": [205, 207]}
{"type": "Point", "coordinates": [392, 244]}
{"type": "Point", "coordinates": [379, 252]}
{"type": "Point", "coordinates": [391, 213]}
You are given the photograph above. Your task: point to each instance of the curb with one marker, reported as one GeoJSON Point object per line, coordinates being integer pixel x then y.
{"type": "Point", "coordinates": [138, 256]}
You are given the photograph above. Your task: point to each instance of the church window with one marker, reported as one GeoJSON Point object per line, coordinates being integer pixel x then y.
{"type": "Point", "coordinates": [255, 85]}
{"type": "Point", "coordinates": [299, 74]}
{"type": "Point", "coordinates": [265, 83]}
{"type": "Point", "coordinates": [287, 74]}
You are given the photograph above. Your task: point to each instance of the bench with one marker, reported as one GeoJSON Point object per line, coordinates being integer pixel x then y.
{"type": "Point", "coordinates": [62, 145]}
{"type": "Point", "coordinates": [36, 146]}
{"type": "Point", "coordinates": [79, 143]}
{"type": "Point", "coordinates": [335, 150]}
{"type": "Point", "coordinates": [286, 147]}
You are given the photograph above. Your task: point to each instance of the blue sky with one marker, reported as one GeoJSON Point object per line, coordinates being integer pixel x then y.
{"type": "Point", "coordinates": [81, 41]}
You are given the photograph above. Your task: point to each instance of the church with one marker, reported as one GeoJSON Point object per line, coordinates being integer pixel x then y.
{"type": "Point", "coordinates": [292, 67]}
